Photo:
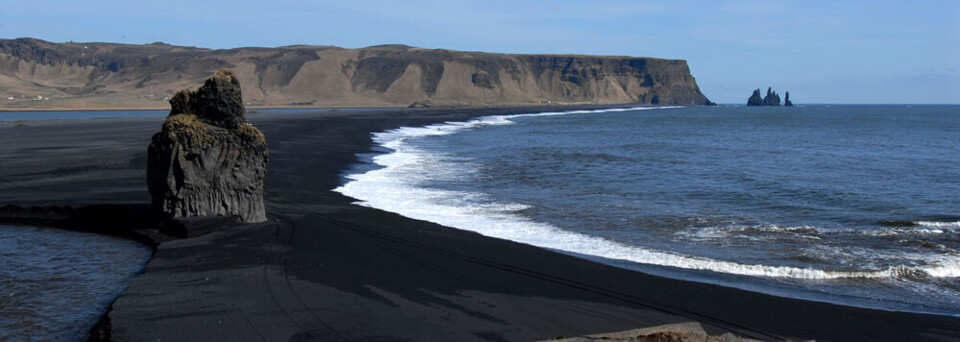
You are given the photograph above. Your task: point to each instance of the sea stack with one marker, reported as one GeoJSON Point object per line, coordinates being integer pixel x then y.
{"type": "Point", "coordinates": [207, 160]}
{"type": "Point", "coordinates": [772, 98]}
{"type": "Point", "coordinates": [755, 99]}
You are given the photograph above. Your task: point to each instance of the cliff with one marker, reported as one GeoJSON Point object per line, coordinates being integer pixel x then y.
{"type": "Point", "coordinates": [207, 160]}
{"type": "Point", "coordinates": [85, 75]}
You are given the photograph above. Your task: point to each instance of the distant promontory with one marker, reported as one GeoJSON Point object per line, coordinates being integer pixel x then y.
{"type": "Point", "coordinates": [36, 74]}
{"type": "Point", "coordinates": [772, 98]}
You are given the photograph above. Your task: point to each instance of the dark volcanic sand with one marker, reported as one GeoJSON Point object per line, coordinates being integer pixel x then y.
{"type": "Point", "coordinates": [324, 269]}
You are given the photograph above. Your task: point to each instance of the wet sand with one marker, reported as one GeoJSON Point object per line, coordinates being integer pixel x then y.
{"type": "Point", "coordinates": [324, 269]}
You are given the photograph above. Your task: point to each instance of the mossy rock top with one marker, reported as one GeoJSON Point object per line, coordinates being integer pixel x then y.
{"type": "Point", "coordinates": [188, 128]}
{"type": "Point", "coordinates": [219, 101]}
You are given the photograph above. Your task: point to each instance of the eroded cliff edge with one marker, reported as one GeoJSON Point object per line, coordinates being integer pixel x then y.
{"type": "Point", "coordinates": [119, 75]}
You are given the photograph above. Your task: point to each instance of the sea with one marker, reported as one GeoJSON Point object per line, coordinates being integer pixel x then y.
{"type": "Point", "coordinates": [851, 204]}
{"type": "Point", "coordinates": [56, 284]}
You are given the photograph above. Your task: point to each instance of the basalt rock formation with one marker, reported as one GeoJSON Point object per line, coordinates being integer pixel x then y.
{"type": "Point", "coordinates": [105, 75]}
{"type": "Point", "coordinates": [786, 99]}
{"type": "Point", "coordinates": [207, 160]}
{"type": "Point", "coordinates": [772, 98]}
{"type": "Point", "coordinates": [755, 99]}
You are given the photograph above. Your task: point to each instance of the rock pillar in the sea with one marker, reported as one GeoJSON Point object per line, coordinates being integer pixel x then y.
{"type": "Point", "coordinates": [755, 99]}
{"type": "Point", "coordinates": [772, 98]}
{"type": "Point", "coordinates": [207, 160]}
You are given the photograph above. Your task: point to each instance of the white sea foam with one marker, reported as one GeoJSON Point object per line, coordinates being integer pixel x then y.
{"type": "Point", "coordinates": [922, 228]}
{"type": "Point", "coordinates": [769, 231]}
{"type": "Point", "coordinates": [903, 231]}
{"type": "Point", "coordinates": [932, 224]}
{"type": "Point", "coordinates": [395, 187]}
{"type": "Point", "coordinates": [811, 232]}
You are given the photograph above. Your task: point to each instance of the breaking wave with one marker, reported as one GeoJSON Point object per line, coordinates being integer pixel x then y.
{"type": "Point", "coordinates": [932, 224]}
{"type": "Point", "coordinates": [396, 188]}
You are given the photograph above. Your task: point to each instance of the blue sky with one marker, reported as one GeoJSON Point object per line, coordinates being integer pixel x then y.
{"type": "Point", "coordinates": [821, 51]}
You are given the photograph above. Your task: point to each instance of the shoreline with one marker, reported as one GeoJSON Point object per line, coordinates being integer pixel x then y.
{"type": "Point", "coordinates": [166, 107]}
{"type": "Point", "coordinates": [726, 278]}
{"type": "Point", "coordinates": [320, 261]}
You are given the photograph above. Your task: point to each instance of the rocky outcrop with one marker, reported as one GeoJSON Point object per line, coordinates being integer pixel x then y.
{"type": "Point", "coordinates": [111, 75]}
{"type": "Point", "coordinates": [755, 99]}
{"type": "Point", "coordinates": [786, 99]}
{"type": "Point", "coordinates": [681, 332]}
{"type": "Point", "coordinates": [772, 98]}
{"type": "Point", "coordinates": [207, 160]}
{"type": "Point", "coordinates": [419, 104]}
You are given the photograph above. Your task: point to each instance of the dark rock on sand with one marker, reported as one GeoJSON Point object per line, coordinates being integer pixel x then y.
{"type": "Point", "coordinates": [207, 160]}
{"type": "Point", "coordinates": [218, 102]}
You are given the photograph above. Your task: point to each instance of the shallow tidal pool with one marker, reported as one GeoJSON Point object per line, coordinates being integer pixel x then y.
{"type": "Point", "coordinates": [56, 284]}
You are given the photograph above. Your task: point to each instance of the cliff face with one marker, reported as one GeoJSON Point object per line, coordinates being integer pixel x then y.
{"type": "Point", "coordinates": [207, 160]}
{"type": "Point", "coordinates": [393, 75]}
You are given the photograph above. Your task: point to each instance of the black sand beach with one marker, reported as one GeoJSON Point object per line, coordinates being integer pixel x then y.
{"type": "Point", "coordinates": [324, 269]}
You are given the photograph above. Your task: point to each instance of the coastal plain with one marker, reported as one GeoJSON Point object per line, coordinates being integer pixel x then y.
{"type": "Point", "coordinates": [323, 268]}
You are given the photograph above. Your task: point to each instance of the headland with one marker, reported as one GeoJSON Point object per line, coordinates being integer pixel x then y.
{"type": "Point", "coordinates": [39, 75]}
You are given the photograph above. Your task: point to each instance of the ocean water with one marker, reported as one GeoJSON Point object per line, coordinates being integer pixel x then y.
{"type": "Point", "coordinates": [56, 284]}
{"type": "Point", "coordinates": [857, 205]}
{"type": "Point", "coordinates": [92, 114]}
